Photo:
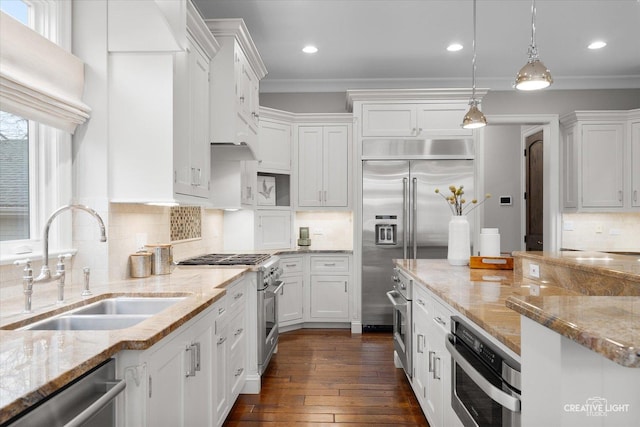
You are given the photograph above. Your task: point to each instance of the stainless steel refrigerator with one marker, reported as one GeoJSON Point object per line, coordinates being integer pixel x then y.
{"type": "Point", "coordinates": [402, 216]}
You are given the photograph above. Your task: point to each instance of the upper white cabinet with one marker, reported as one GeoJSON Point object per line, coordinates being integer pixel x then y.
{"type": "Point", "coordinates": [324, 166]}
{"type": "Point", "coordinates": [235, 75]}
{"type": "Point", "coordinates": [158, 120]}
{"type": "Point", "coordinates": [246, 229]}
{"type": "Point", "coordinates": [275, 136]}
{"type": "Point", "coordinates": [413, 120]}
{"type": "Point", "coordinates": [599, 161]}
{"type": "Point", "coordinates": [635, 162]}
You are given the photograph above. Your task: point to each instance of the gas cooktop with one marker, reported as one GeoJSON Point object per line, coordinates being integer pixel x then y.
{"type": "Point", "coordinates": [226, 259]}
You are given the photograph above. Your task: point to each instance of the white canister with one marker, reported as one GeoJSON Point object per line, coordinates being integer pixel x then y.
{"type": "Point", "coordinates": [489, 242]}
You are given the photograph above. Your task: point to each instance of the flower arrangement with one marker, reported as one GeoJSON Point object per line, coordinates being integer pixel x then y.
{"type": "Point", "coordinates": [457, 202]}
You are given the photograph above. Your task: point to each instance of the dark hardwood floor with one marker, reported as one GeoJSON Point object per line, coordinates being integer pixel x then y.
{"type": "Point", "coordinates": [329, 377]}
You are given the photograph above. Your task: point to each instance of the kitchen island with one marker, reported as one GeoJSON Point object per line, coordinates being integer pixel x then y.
{"type": "Point", "coordinates": [577, 339]}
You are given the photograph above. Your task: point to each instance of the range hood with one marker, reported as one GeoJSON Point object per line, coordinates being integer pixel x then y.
{"type": "Point", "coordinates": [229, 151]}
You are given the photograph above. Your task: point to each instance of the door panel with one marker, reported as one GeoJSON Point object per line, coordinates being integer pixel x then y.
{"type": "Point", "coordinates": [433, 212]}
{"type": "Point", "coordinates": [534, 173]}
{"type": "Point", "coordinates": [382, 196]}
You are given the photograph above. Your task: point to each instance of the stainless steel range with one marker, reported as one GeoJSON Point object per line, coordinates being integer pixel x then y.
{"type": "Point", "coordinates": [268, 284]}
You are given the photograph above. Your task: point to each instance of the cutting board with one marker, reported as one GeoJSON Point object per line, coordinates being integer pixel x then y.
{"type": "Point", "coordinates": [493, 263]}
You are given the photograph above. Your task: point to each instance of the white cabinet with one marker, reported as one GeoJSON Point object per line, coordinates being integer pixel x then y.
{"type": "Point", "coordinates": [257, 229]}
{"type": "Point", "coordinates": [290, 299]}
{"type": "Point", "coordinates": [431, 380]}
{"type": "Point", "coordinates": [233, 184]}
{"type": "Point", "coordinates": [275, 145]}
{"type": "Point", "coordinates": [413, 120]}
{"type": "Point", "coordinates": [635, 163]}
{"type": "Point", "coordinates": [328, 296]}
{"type": "Point", "coordinates": [235, 74]}
{"type": "Point", "coordinates": [158, 120]}
{"type": "Point", "coordinates": [599, 161]}
{"type": "Point", "coordinates": [273, 229]}
{"type": "Point", "coordinates": [324, 166]}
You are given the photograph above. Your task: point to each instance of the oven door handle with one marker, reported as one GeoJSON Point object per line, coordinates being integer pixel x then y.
{"type": "Point", "coordinates": [278, 284]}
{"type": "Point", "coordinates": [401, 307]}
{"type": "Point", "coordinates": [507, 401]}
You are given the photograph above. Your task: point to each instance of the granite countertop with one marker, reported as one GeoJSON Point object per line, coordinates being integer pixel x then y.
{"type": "Point", "coordinates": [479, 294]}
{"type": "Point", "coordinates": [34, 364]}
{"type": "Point", "coordinates": [608, 325]}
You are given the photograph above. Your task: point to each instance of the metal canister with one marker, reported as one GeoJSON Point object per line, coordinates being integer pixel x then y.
{"type": "Point", "coordinates": [162, 258]}
{"type": "Point", "coordinates": [141, 264]}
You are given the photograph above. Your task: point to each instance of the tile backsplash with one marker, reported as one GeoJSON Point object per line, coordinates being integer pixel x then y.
{"type": "Point", "coordinates": [614, 232]}
{"type": "Point", "coordinates": [327, 230]}
{"type": "Point", "coordinates": [186, 223]}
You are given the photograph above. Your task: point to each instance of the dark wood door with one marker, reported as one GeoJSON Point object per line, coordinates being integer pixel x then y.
{"type": "Point", "coordinates": [534, 149]}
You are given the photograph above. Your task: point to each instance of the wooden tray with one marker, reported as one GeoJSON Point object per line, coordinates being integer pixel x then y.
{"type": "Point", "coordinates": [493, 263]}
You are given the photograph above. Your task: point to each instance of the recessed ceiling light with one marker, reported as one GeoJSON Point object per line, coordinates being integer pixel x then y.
{"type": "Point", "coordinates": [454, 47]}
{"type": "Point", "coordinates": [598, 44]}
{"type": "Point", "coordinates": [309, 49]}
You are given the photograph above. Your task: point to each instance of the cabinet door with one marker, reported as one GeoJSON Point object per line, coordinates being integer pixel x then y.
{"type": "Point", "coordinates": [290, 300]}
{"type": "Point", "coordinates": [198, 389]}
{"type": "Point", "coordinates": [441, 119]}
{"type": "Point", "coordinates": [310, 152]}
{"type": "Point", "coordinates": [336, 166]}
{"type": "Point", "coordinates": [199, 122]}
{"type": "Point", "coordinates": [248, 177]}
{"type": "Point", "coordinates": [420, 348]}
{"type": "Point", "coordinates": [167, 383]}
{"type": "Point", "coordinates": [602, 165]}
{"type": "Point", "coordinates": [570, 170]}
{"type": "Point", "coordinates": [273, 230]}
{"type": "Point", "coordinates": [221, 363]}
{"type": "Point", "coordinates": [275, 146]}
{"type": "Point", "coordinates": [635, 164]}
{"type": "Point", "coordinates": [329, 297]}
{"type": "Point", "coordinates": [389, 120]}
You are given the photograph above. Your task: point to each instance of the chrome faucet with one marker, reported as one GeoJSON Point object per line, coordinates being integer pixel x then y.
{"type": "Point", "coordinates": [45, 273]}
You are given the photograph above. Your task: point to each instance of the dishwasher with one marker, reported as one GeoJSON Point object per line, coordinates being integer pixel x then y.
{"type": "Point", "coordinates": [87, 401]}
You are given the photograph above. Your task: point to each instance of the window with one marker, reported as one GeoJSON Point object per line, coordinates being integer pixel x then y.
{"type": "Point", "coordinates": [35, 173]}
{"type": "Point", "coordinates": [14, 158]}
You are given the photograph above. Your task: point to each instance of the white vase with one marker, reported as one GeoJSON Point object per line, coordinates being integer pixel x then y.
{"type": "Point", "coordinates": [459, 243]}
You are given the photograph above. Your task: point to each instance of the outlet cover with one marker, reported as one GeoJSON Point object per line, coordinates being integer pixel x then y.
{"type": "Point", "coordinates": [534, 270]}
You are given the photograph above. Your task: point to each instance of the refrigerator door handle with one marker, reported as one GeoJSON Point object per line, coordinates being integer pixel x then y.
{"type": "Point", "coordinates": [405, 216]}
{"type": "Point", "coordinates": [414, 218]}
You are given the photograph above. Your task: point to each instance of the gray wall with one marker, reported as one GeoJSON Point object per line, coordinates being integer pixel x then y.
{"type": "Point", "coordinates": [503, 157]}
{"type": "Point", "coordinates": [499, 102]}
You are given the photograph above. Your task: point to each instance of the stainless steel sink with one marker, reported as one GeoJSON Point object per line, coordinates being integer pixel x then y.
{"type": "Point", "coordinates": [107, 314]}
{"type": "Point", "coordinates": [129, 305]}
{"type": "Point", "coordinates": [95, 322]}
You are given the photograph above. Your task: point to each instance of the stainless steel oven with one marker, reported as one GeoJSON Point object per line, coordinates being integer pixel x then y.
{"type": "Point", "coordinates": [485, 384]}
{"type": "Point", "coordinates": [269, 285]}
{"type": "Point", "coordinates": [400, 298]}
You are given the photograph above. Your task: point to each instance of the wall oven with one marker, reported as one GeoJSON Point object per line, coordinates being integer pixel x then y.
{"type": "Point", "coordinates": [400, 298]}
{"type": "Point", "coordinates": [485, 384]}
{"type": "Point", "coordinates": [269, 285]}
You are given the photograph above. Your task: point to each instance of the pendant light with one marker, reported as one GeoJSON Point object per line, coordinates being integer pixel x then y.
{"type": "Point", "coordinates": [534, 75]}
{"type": "Point", "coordinates": [474, 118]}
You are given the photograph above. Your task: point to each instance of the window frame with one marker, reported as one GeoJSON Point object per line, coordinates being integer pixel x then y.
{"type": "Point", "coordinates": [50, 153]}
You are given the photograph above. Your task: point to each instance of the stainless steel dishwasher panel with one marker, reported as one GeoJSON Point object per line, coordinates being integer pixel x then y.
{"type": "Point", "coordinates": [88, 401]}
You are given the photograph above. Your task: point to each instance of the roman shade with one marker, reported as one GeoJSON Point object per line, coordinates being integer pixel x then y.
{"type": "Point", "coordinates": [39, 80]}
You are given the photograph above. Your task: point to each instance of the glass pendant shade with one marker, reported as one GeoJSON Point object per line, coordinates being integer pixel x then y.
{"type": "Point", "coordinates": [474, 118]}
{"type": "Point", "coordinates": [533, 76]}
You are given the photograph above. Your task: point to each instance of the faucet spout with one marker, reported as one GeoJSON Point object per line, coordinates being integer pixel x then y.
{"type": "Point", "coordinates": [45, 273]}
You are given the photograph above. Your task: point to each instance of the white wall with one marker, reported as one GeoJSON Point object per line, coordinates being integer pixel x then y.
{"type": "Point", "coordinates": [502, 166]}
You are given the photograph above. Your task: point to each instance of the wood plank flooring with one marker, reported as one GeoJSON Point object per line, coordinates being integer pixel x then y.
{"type": "Point", "coordinates": [329, 377]}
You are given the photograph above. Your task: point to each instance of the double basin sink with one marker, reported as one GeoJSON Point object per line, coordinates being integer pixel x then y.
{"type": "Point", "coordinates": [107, 314]}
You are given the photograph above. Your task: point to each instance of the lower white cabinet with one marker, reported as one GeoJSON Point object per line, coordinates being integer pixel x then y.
{"type": "Point", "coordinates": [193, 376]}
{"type": "Point", "coordinates": [431, 380]}
{"type": "Point", "coordinates": [317, 289]}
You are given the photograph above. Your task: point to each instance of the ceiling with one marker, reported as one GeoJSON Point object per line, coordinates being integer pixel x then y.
{"type": "Point", "coordinates": [402, 43]}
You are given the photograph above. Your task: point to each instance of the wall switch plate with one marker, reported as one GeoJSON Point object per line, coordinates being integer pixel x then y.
{"type": "Point", "coordinates": [141, 240]}
{"type": "Point", "coordinates": [598, 228]}
{"type": "Point", "coordinates": [568, 226]}
{"type": "Point", "coordinates": [615, 232]}
{"type": "Point", "coordinates": [534, 290]}
{"type": "Point", "coordinates": [534, 270]}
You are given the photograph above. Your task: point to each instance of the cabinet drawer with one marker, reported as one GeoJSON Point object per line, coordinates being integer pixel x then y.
{"type": "Point", "coordinates": [236, 295]}
{"type": "Point", "coordinates": [291, 265]}
{"type": "Point", "coordinates": [441, 317]}
{"type": "Point", "coordinates": [237, 330]}
{"type": "Point", "coordinates": [329, 264]}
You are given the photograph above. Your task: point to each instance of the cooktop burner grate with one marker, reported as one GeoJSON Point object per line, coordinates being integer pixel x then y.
{"type": "Point", "coordinates": [226, 259]}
